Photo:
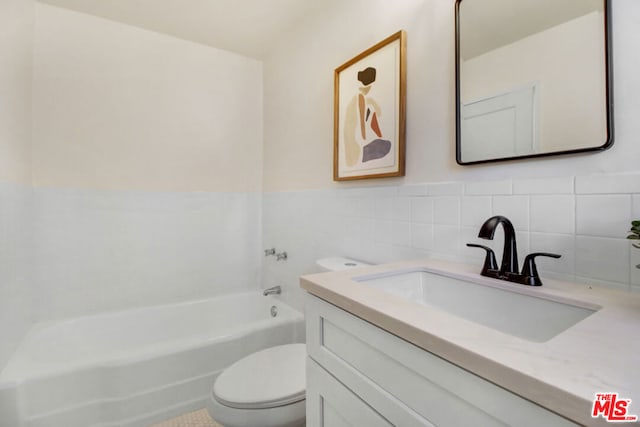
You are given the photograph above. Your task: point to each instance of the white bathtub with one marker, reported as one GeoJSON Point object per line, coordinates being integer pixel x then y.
{"type": "Point", "coordinates": [136, 367]}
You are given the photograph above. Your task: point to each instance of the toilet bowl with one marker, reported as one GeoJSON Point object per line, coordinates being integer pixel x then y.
{"type": "Point", "coordinates": [267, 388]}
{"type": "Point", "coordinates": [264, 389]}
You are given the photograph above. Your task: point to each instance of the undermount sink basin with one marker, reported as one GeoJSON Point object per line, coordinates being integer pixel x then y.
{"type": "Point", "coordinates": [511, 312]}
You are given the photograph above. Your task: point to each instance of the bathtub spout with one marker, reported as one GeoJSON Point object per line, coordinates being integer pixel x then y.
{"type": "Point", "coordinates": [277, 290]}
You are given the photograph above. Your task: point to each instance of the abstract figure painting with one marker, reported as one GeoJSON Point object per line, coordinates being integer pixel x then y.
{"type": "Point", "coordinates": [369, 113]}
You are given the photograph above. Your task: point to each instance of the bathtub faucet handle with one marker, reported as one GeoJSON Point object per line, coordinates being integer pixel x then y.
{"type": "Point", "coordinates": [271, 251]}
{"type": "Point", "coordinates": [282, 256]}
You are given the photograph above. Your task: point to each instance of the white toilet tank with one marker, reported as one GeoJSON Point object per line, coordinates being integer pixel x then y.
{"type": "Point", "coordinates": [339, 264]}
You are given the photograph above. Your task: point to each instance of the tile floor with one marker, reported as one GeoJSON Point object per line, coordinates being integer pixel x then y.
{"type": "Point", "coordinates": [192, 419]}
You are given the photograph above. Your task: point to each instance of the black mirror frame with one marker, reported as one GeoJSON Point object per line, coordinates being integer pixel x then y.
{"type": "Point", "coordinates": [608, 94]}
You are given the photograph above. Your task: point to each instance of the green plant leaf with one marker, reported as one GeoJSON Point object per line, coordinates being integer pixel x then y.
{"type": "Point", "coordinates": [635, 223]}
{"type": "Point", "coordinates": [633, 237]}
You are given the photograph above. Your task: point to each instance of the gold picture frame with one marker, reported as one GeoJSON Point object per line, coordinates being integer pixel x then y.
{"type": "Point", "coordinates": [369, 112]}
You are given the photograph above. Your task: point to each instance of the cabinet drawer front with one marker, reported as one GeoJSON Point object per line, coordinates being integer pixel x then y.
{"type": "Point", "coordinates": [361, 354]}
{"type": "Point", "coordinates": [331, 404]}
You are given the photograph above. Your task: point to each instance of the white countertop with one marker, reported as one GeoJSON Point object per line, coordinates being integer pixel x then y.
{"type": "Point", "coordinates": [599, 354]}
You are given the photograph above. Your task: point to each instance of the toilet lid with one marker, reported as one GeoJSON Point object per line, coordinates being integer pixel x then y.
{"type": "Point", "coordinates": [265, 379]}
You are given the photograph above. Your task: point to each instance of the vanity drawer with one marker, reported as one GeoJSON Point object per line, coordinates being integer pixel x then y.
{"type": "Point", "coordinates": [376, 365]}
{"type": "Point", "coordinates": [331, 404]}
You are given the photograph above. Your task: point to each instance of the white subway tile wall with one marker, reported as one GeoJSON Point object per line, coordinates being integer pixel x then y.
{"type": "Point", "coordinates": [552, 214]}
{"type": "Point", "coordinates": [488, 188]}
{"type": "Point", "coordinates": [446, 241]}
{"type": "Point", "coordinates": [446, 189]}
{"type": "Point", "coordinates": [402, 208]}
{"type": "Point", "coordinates": [422, 236]}
{"type": "Point", "coordinates": [563, 244]}
{"type": "Point", "coordinates": [413, 190]}
{"type": "Point", "coordinates": [584, 218]}
{"type": "Point", "coordinates": [603, 215]}
{"type": "Point", "coordinates": [474, 210]}
{"type": "Point", "coordinates": [635, 269]}
{"type": "Point", "coordinates": [635, 206]}
{"type": "Point", "coordinates": [608, 184]}
{"type": "Point", "coordinates": [422, 210]}
{"type": "Point", "coordinates": [563, 185]}
{"type": "Point", "coordinates": [446, 211]}
{"type": "Point", "coordinates": [516, 208]}
{"type": "Point", "coordinates": [16, 267]}
{"type": "Point", "coordinates": [108, 250]}
{"type": "Point", "coordinates": [602, 258]}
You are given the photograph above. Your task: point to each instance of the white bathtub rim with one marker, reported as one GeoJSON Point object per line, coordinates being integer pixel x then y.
{"type": "Point", "coordinates": [114, 312]}
{"type": "Point", "coordinates": [18, 372]}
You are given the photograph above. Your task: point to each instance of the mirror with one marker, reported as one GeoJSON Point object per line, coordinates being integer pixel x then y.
{"type": "Point", "coordinates": [532, 78]}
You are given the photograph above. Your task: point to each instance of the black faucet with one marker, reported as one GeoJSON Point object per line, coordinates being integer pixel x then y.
{"type": "Point", "coordinates": [509, 266]}
{"type": "Point", "coordinates": [509, 263]}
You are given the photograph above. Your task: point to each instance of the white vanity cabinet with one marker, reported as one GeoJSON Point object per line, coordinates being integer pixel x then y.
{"type": "Point", "coordinates": [361, 375]}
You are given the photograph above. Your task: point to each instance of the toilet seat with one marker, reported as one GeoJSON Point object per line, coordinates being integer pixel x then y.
{"type": "Point", "coordinates": [266, 379]}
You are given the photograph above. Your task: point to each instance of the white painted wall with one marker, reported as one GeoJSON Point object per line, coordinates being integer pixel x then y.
{"type": "Point", "coordinates": [550, 200]}
{"type": "Point", "coordinates": [16, 41]}
{"type": "Point", "coordinates": [298, 85]}
{"type": "Point", "coordinates": [147, 167]}
{"type": "Point", "coordinates": [142, 198]}
{"type": "Point", "coordinates": [299, 97]}
{"type": "Point", "coordinates": [147, 160]}
{"type": "Point", "coordinates": [118, 107]}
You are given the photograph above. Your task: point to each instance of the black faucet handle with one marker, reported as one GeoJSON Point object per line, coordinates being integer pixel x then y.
{"type": "Point", "coordinates": [529, 269]}
{"type": "Point", "coordinates": [490, 262]}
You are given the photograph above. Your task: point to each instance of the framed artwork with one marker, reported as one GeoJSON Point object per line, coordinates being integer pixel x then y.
{"type": "Point", "coordinates": [369, 113]}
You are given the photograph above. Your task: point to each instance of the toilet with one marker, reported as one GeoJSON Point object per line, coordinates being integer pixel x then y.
{"type": "Point", "coordinates": [267, 388]}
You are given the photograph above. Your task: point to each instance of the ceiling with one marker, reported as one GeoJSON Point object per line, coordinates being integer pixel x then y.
{"type": "Point", "coordinates": [248, 27]}
{"type": "Point", "coordinates": [488, 24]}
{"type": "Point", "coordinates": [253, 27]}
